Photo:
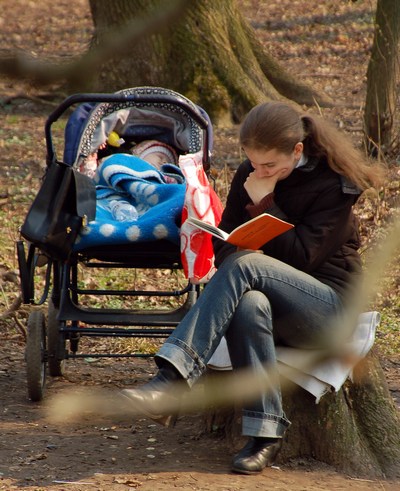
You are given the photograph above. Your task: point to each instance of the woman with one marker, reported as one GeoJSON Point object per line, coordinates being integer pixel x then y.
{"type": "Point", "coordinates": [303, 171]}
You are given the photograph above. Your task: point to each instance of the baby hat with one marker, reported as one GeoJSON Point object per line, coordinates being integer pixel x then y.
{"type": "Point", "coordinates": [147, 147]}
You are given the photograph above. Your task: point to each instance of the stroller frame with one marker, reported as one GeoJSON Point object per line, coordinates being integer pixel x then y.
{"type": "Point", "coordinates": [47, 337]}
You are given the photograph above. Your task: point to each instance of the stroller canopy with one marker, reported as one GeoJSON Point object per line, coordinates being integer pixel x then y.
{"type": "Point", "coordinates": [169, 117]}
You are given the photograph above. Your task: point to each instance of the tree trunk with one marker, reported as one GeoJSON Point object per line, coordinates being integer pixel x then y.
{"type": "Point", "coordinates": [382, 75]}
{"type": "Point", "coordinates": [211, 55]}
{"type": "Point", "coordinates": [357, 430]}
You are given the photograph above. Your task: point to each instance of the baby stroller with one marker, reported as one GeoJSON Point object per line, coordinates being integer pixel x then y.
{"type": "Point", "coordinates": [69, 252]}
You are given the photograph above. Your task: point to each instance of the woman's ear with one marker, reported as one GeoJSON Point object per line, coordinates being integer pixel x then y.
{"type": "Point", "coordinates": [298, 149]}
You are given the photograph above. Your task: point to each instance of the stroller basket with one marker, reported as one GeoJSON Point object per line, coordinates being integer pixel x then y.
{"type": "Point", "coordinates": [136, 115]}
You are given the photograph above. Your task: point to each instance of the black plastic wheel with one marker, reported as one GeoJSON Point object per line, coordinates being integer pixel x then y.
{"type": "Point", "coordinates": [55, 343]}
{"type": "Point", "coordinates": [35, 356]}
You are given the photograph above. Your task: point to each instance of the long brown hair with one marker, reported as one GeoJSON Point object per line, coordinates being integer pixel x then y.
{"type": "Point", "coordinates": [276, 125]}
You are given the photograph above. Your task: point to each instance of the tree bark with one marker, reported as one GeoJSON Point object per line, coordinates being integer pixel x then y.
{"type": "Point", "coordinates": [382, 76]}
{"type": "Point", "coordinates": [357, 430]}
{"type": "Point", "coordinates": [211, 55]}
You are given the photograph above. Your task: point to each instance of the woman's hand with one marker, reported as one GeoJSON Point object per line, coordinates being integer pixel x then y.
{"type": "Point", "coordinates": [258, 187]}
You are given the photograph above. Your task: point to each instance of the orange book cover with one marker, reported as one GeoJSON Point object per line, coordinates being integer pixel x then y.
{"type": "Point", "coordinates": [250, 235]}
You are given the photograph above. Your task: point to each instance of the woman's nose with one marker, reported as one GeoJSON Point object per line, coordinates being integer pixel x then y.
{"type": "Point", "coordinates": [263, 172]}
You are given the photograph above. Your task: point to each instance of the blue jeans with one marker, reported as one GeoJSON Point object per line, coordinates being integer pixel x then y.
{"type": "Point", "coordinates": [256, 302]}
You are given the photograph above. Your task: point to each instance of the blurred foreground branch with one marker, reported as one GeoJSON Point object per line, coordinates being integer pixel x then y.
{"type": "Point", "coordinates": [118, 40]}
{"type": "Point", "coordinates": [236, 386]}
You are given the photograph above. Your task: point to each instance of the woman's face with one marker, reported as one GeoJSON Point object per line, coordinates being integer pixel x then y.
{"type": "Point", "coordinates": [267, 163]}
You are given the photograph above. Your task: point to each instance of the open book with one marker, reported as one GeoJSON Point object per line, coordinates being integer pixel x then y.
{"type": "Point", "coordinates": [250, 235]}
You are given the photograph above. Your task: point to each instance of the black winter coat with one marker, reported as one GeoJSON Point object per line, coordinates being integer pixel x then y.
{"type": "Point", "coordinates": [319, 203]}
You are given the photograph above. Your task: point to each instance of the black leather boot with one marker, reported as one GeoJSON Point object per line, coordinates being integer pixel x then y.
{"type": "Point", "coordinates": [257, 454]}
{"type": "Point", "coordinates": [159, 398]}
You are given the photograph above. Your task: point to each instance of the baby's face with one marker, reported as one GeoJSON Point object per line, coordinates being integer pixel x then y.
{"type": "Point", "coordinates": [157, 159]}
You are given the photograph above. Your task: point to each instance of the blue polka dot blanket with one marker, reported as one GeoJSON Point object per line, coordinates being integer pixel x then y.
{"type": "Point", "coordinates": [157, 195]}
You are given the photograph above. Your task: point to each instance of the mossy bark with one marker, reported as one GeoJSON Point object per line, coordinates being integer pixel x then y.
{"type": "Point", "coordinates": [356, 430]}
{"type": "Point", "coordinates": [382, 76]}
{"type": "Point", "coordinates": [376, 414]}
{"type": "Point", "coordinates": [211, 55]}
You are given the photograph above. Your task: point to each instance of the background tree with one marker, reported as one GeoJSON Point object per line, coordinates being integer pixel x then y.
{"type": "Point", "coordinates": [382, 77]}
{"type": "Point", "coordinates": [211, 55]}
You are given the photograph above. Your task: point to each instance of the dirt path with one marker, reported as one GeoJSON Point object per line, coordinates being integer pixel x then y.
{"type": "Point", "coordinates": [38, 455]}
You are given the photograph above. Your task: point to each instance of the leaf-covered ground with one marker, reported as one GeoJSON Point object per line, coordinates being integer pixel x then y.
{"type": "Point", "coordinates": [326, 45]}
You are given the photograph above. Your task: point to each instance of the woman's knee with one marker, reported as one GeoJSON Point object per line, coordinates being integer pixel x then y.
{"type": "Point", "coordinates": [254, 309]}
{"type": "Point", "coordinates": [253, 300]}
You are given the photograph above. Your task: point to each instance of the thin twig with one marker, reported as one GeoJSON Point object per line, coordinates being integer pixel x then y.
{"type": "Point", "coordinates": [13, 308]}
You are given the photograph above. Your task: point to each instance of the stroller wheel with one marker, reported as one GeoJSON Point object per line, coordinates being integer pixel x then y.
{"type": "Point", "coordinates": [55, 343]}
{"type": "Point", "coordinates": [35, 356]}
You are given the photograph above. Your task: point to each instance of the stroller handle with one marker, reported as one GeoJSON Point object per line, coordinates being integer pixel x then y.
{"type": "Point", "coordinates": [115, 97]}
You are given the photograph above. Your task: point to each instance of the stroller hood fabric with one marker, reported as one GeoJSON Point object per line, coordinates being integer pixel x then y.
{"type": "Point", "coordinates": [90, 124]}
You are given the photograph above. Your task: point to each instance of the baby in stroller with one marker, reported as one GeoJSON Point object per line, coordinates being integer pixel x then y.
{"type": "Point", "coordinates": [154, 152]}
{"type": "Point", "coordinates": [123, 205]}
{"type": "Point", "coordinates": [136, 179]}
{"type": "Point", "coordinates": [157, 153]}
{"type": "Point", "coordinates": [141, 147]}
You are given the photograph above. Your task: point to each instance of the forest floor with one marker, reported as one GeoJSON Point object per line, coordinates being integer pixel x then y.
{"type": "Point", "coordinates": [328, 46]}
